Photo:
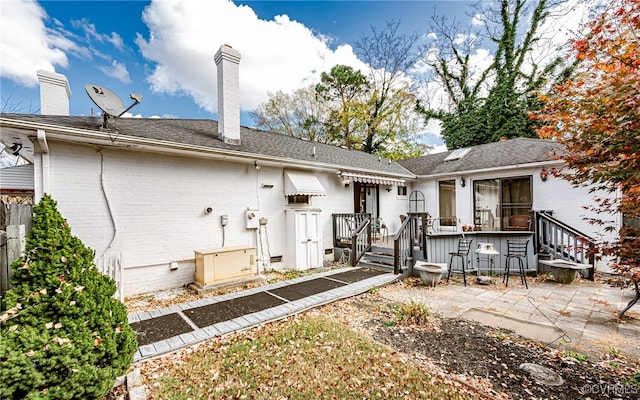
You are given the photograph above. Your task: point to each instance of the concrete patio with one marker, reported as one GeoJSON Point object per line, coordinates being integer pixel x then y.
{"type": "Point", "coordinates": [581, 316]}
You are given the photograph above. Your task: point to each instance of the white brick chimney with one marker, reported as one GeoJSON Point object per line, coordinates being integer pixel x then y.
{"type": "Point", "coordinates": [228, 60]}
{"type": "Point", "coordinates": [54, 93]}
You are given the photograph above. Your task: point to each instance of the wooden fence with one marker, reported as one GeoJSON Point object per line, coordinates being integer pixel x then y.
{"type": "Point", "coordinates": [15, 224]}
{"type": "Point", "coordinates": [12, 244]}
{"type": "Point", "coordinates": [15, 210]}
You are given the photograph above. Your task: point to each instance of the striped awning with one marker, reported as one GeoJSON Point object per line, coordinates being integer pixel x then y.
{"type": "Point", "coordinates": [348, 177]}
{"type": "Point", "coordinates": [302, 183]}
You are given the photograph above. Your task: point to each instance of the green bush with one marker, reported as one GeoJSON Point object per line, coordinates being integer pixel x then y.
{"type": "Point", "coordinates": [63, 334]}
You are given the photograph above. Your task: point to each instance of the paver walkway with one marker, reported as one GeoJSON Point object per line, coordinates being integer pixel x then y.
{"type": "Point", "coordinates": [581, 316]}
{"type": "Point", "coordinates": [168, 329]}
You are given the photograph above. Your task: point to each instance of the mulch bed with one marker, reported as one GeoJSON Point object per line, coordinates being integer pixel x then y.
{"type": "Point", "coordinates": [356, 275]}
{"type": "Point", "coordinates": [160, 328]}
{"type": "Point", "coordinates": [165, 327]}
{"type": "Point", "coordinates": [486, 354]}
{"type": "Point", "coordinates": [230, 309]}
{"type": "Point", "coordinates": [305, 289]}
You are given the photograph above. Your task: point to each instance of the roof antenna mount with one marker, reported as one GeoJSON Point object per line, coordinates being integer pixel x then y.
{"type": "Point", "coordinates": [109, 102]}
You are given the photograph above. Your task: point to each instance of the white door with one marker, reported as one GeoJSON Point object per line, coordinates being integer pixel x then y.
{"type": "Point", "coordinates": [309, 253]}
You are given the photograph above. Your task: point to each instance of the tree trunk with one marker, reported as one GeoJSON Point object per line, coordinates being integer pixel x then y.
{"type": "Point", "coordinates": [632, 302]}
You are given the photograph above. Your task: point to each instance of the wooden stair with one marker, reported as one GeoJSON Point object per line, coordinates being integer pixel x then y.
{"type": "Point", "coordinates": [380, 259]}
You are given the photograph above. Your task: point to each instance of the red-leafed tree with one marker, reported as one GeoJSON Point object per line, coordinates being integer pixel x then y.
{"type": "Point", "coordinates": [596, 115]}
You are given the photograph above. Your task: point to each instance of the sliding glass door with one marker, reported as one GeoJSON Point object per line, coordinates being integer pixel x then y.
{"type": "Point", "coordinates": [497, 202]}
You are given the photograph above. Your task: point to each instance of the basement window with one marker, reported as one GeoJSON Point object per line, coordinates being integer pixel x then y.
{"type": "Point", "coordinates": [298, 200]}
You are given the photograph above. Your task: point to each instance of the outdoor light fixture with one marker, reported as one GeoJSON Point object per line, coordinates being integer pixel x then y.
{"type": "Point", "coordinates": [255, 164]}
{"type": "Point", "coordinates": [388, 189]}
{"type": "Point", "coordinates": [462, 182]}
{"type": "Point", "coordinates": [15, 149]}
{"type": "Point", "coordinates": [544, 174]}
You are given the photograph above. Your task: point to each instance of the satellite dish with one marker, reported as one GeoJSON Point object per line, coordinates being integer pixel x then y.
{"type": "Point", "coordinates": [109, 102]}
{"type": "Point", "coordinates": [105, 99]}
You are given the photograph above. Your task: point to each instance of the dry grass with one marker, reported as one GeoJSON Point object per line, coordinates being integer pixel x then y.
{"type": "Point", "coordinates": [305, 357]}
{"type": "Point", "coordinates": [412, 313]}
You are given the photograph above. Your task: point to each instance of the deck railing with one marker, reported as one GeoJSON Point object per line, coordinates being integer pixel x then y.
{"type": "Point", "coordinates": [360, 241]}
{"type": "Point", "coordinates": [561, 241]}
{"type": "Point", "coordinates": [421, 224]}
{"type": "Point", "coordinates": [352, 231]}
{"type": "Point", "coordinates": [403, 245]}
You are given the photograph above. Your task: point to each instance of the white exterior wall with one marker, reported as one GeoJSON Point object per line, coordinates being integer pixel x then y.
{"type": "Point", "coordinates": [555, 194]}
{"type": "Point", "coordinates": [429, 189]}
{"type": "Point", "coordinates": [151, 209]}
{"type": "Point", "coordinates": [392, 206]}
{"type": "Point", "coordinates": [158, 207]}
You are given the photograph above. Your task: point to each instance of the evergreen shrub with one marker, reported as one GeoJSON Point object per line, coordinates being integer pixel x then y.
{"type": "Point", "coordinates": [63, 335]}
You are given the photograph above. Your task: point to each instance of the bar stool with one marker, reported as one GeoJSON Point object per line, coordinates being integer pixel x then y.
{"type": "Point", "coordinates": [464, 245]}
{"type": "Point", "coordinates": [516, 250]}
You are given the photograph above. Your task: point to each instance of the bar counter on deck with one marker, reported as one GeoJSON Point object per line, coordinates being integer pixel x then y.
{"type": "Point", "coordinates": [440, 244]}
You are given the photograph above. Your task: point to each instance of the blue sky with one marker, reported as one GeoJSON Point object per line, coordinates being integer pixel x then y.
{"type": "Point", "coordinates": [164, 49]}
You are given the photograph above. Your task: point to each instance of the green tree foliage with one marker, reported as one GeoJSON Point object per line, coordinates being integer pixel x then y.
{"type": "Point", "coordinates": [491, 103]}
{"type": "Point", "coordinates": [374, 112]}
{"type": "Point", "coordinates": [390, 120]}
{"type": "Point", "coordinates": [301, 114]}
{"type": "Point", "coordinates": [345, 88]}
{"type": "Point", "coordinates": [63, 335]}
{"type": "Point", "coordinates": [596, 115]}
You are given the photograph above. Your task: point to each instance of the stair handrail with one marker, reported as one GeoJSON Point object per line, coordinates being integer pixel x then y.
{"type": "Point", "coordinates": [547, 214]}
{"type": "Point", "coordinates": [344, 224]}
{"type": "Point", "coordinates": [423, 223]}
{"type": "Point", "coordinates": [403, 246]}
{"type": "Point", "coordinates": [554, 242]}
{"type": "Point", "coordinates": [360, 241]}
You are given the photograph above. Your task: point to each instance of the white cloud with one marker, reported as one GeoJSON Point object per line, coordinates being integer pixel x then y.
{"type": "Point", "coordinates": [430, 36]}
{"type": "Point", "coordinates": [478, 20]}
{"type": "Point", "coordinates": [22, 27]}
{"type": "Point", "coordinates": [92, 33]}
{"type": "Point", "coordinates": [564, 22]}
{"type": "Point", "coordinates": [118, 71]}
{"type": "Point", "coordinates": [279, 54]}
{"type": "Point", "coordinates": [441, 148]}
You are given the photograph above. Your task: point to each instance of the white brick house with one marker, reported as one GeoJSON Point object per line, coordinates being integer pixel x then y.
{"type": "Point", "coordinates": [149, 192]}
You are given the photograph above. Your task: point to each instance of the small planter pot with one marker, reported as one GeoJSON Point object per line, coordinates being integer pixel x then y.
{"type": "Point", "coordinates": [430, 273]}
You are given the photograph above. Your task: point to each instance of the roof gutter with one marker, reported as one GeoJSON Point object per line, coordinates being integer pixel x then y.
{"type": "Point", "coordinates": [131, 142]}
{"type": "Point", "coordinates": [45, 165]}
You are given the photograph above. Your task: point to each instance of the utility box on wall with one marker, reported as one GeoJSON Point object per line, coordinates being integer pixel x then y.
{"type": "Point", "coordinates": [252, 219]}
{"type": "Point", "coordinates": [224, 264]}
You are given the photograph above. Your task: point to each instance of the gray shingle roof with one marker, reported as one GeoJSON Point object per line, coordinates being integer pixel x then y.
{"type": "Point", "coordinates": [491, 155]}
{"type": "Point", "coordinates": [264, 144]}
{"type": "Point", "coordinates": [256, 143]}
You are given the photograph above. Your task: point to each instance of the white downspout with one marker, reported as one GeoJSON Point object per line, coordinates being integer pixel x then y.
{"type": "Point", "coordinates": [45, 164]}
